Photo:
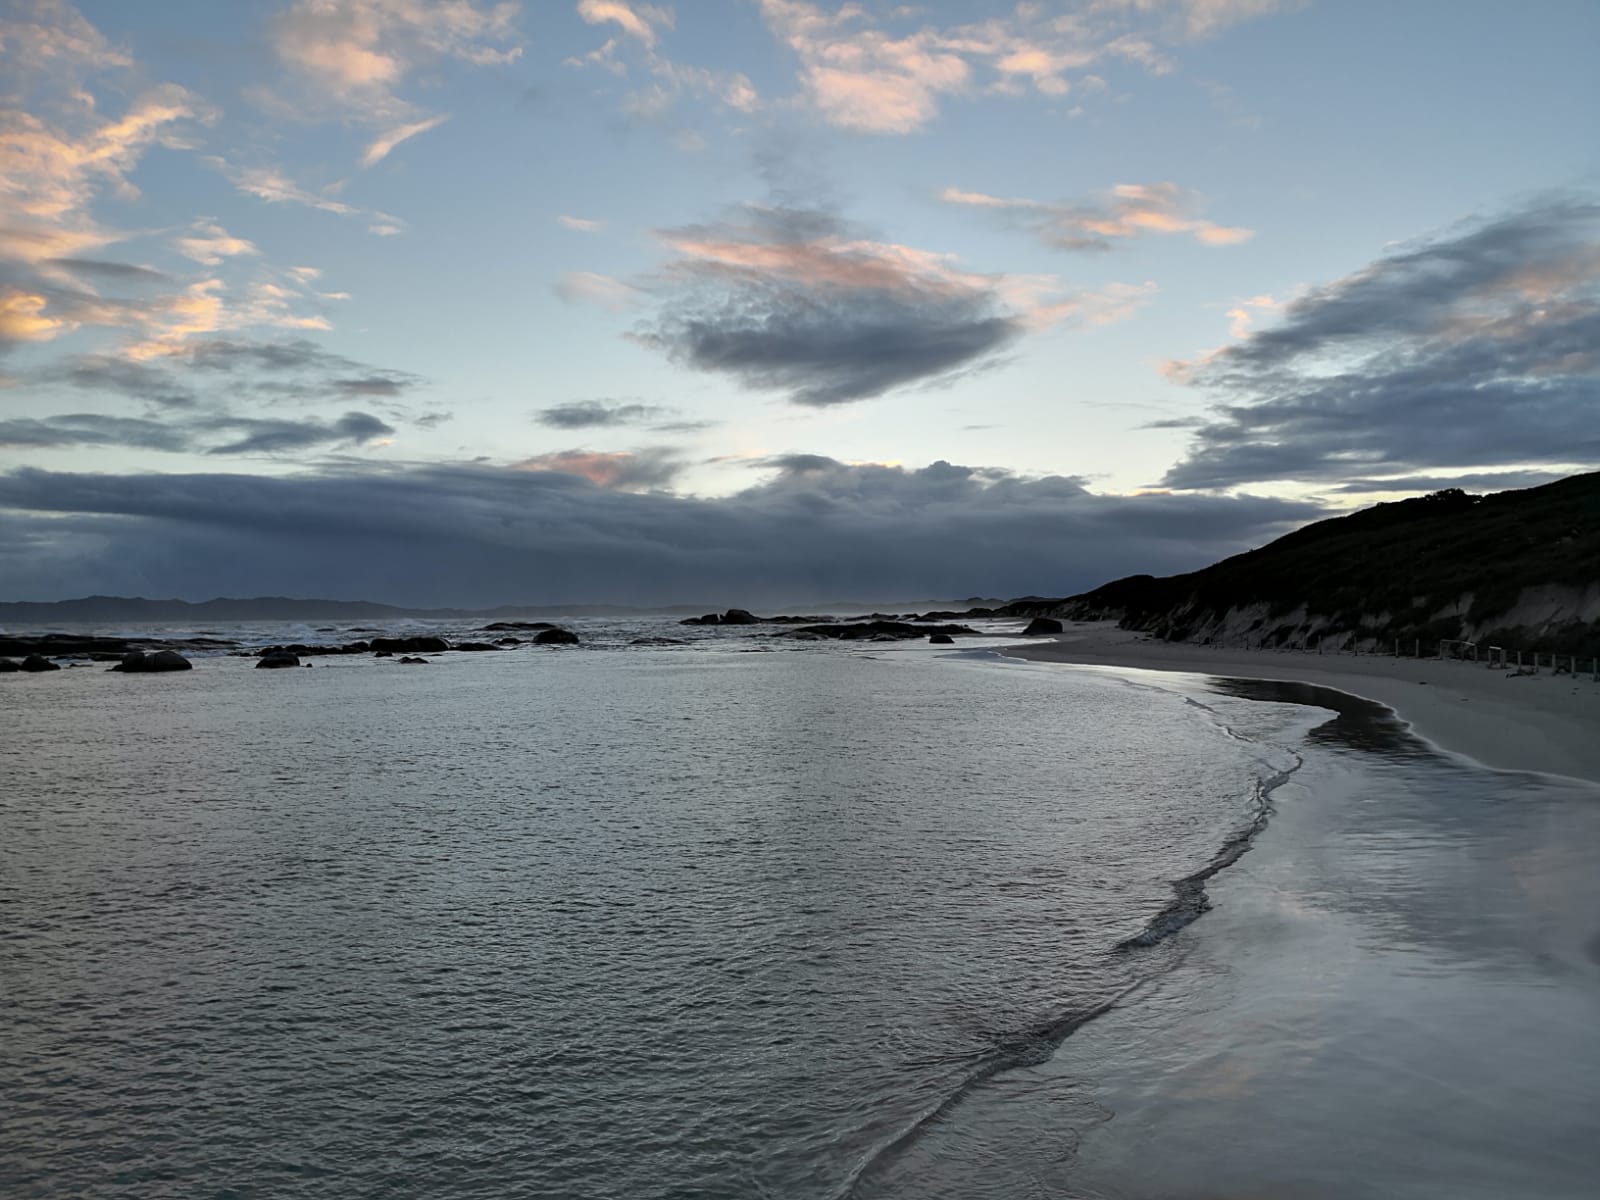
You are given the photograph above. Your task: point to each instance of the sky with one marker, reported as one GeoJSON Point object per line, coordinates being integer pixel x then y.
{"type": "Point", "coordinates": [473, 302]}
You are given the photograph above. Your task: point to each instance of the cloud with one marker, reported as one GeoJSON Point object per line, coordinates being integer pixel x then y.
{"type": "Point", "coordinates": [278, 436]}
{"type": "Point", "coordinates": [43, 35]}
{"type": "Point", "coordinates": [209, 243]}
{"type": "Point", "coordinates": [50, 172]}
{"type": "Point", "coordinates": [598, 289]}
{"type": "Point", "coordinates": [649, 469]}
{"type": "Point", "coordinates": [104, 269]}
{"type": "Point", "coordinates": [598, 414]}
{"type": "Point", "coordinates": [858, 75]}
{"type": "Point", "coordinates": [271, 185]}
{"type": "Point", "coordinates": [212, 375]}
{"type": "Point", "coordinates": [815, 530]}
{"type": "Point", "coordinates": [1129, 210]}
{"type": "Point", "coordinates": [638, 21]}
{"type": "Point", "coordinates": [797, 301]}
{"type": "Point", "coordinates": [1475, 348]}
{"type": "Point", "coordinates": [196, 434]}
{"type": "Point", "coordinates": [1482, 481]}
{"type": "Point", "coordinates": [351, 56]}
{"type": "Point", "coordinates": [378, 149]}
{"type": "Point", "coordinates": [92, 429]}
{"type": "Point", "coordinates": [579, 224]}
{"type": "Point", "coordinates": [640, 27]}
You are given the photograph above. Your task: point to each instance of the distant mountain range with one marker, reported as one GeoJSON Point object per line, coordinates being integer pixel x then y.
{"type": "Point", "coordinates": [1520, 569]}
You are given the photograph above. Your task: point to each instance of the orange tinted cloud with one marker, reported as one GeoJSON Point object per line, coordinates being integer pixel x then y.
{"type": "Point", "coordinates": [1128, 210]}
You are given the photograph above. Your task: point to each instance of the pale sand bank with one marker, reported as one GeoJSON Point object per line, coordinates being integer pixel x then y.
{"type": "Point", "coordinates": [1546, 722]}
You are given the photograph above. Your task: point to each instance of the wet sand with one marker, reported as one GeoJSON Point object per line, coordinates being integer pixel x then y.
{"type": "Point", "coordinates": [1547, 723]}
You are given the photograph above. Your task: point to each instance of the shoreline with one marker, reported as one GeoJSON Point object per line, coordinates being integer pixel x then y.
{"type": "Point", "coordinates": [1549, 724]}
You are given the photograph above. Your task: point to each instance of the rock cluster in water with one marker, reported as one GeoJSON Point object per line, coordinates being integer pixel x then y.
{"type": "Point", "coordinates": [160, 660]}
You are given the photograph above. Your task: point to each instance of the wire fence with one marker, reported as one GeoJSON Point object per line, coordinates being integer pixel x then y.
{"type": "Point", "coordinates": [1495, 658]}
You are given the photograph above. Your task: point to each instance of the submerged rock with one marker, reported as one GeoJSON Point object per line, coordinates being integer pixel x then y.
{"type": "Point", "coordinates": [410, 661]}
{"type": "Point", "coordinates": [474, 646]}
{"type": "Point", "coordinates": [161, 660]}
{"type": "Point", "coordinates": [410, 645]}
{"type": "Point", "coordinates": [873, 630]}
{"type": "Point", "coordinates": [555, 637]}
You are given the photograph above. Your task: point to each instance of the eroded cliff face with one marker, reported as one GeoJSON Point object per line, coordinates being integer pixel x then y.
{"type": "Point", "coordinates": [1551, 617]}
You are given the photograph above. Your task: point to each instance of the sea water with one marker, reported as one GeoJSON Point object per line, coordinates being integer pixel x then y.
{"type": "Point", "coordinates": [738, 918]}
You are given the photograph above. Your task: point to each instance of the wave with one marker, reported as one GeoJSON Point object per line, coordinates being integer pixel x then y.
{"type": "Point", "coordinates": [1033, 1046]}
{"type": "Point", "coordinates": [1190, 900]}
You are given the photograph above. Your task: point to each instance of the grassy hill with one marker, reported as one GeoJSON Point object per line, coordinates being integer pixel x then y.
{"type": "Point", "coordinates": [1519, 568]}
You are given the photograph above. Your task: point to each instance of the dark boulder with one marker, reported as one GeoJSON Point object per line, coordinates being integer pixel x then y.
{"type": "Point", "coordinates": [160, 660]}
{"type": "Point", "coordinates": [658, 641]}
{"type": "Point", "coordinates": [273, 659]}
{"type": "Point", "coordinates": [941, 639]}
{"type": "Point", "coordinates": [37, 662]}
{"type": "Point", "coordinates": [708, 619]}
{"type": "Point", "coordinates": [409, 661]}
{"type": "Point", "coordinates": [1042, 625]}
{"type": "Point", "coordinates": [383, 654]}
{"type": "Point", "coordinates": [738, 616]}
{"type": "Point", "coordinates": [7, 664]}
{"type": "Point", "coordinates": [872, 630]}
{"type": "Point", "coordinates": [498, 626]}
{"type": "Point", "coordinates": [410, 645]}
{"type": "Point", "coordinates": [555, 637]}
{"type": "Point", "coordinates": [474, 646]}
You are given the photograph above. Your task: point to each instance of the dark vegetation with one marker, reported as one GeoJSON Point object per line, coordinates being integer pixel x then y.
{"type": "Point", "coordinates": [1391, 571]}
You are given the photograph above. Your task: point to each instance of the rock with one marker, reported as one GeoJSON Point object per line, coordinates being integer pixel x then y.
{"type": "Point", "coordinates": [474, 646]}
{"type": "Point", "coordinates": [708, 619]}
{"type": "Point", "coordinates": [871, 630]}
{"type": "Point", "coordinates": [161, 660]}
{"type": "Point", "coordinates": [738, 616]}
{"type": "Point", "coordinates": [409, 661]}
{"type": "Point", "coordinates": [7, 664]}
{"type": "Point", "coordinates": [410, 645]}
{"type": "Point", "coordinates": [658, 641]}
{"type": "Point", "coordinates": [1042, 625]}
{"type": "Point", "coordinates": [941, 639]}
{"type": "Point", "coordinates": [36, 662]}
{"type": "Point", "coordinates": [555, 637]}
{"type": "Point", "coordinates": [501, 625]}
{"type": "Point", "coordinates": [277, 658]}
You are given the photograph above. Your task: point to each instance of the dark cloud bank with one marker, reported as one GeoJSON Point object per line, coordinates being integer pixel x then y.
{"type": "Point", "coordinates": [1476, 349]}
{"type": "Point", "coordinates": [475, 535]}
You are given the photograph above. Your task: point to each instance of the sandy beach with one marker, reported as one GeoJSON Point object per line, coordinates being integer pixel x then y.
{"type": "Point", "coordinates": [1546, 722]}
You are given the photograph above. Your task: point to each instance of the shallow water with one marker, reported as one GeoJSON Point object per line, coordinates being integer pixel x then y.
{"type": "Point", "coordinates": [639, 923]}
{"type": "Point", "coordinates": [1395, 995]}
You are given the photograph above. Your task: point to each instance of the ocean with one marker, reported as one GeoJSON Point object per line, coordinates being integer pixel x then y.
{"type": "Point", "coordinates": [755, 918]}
